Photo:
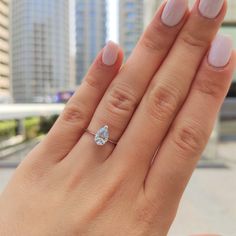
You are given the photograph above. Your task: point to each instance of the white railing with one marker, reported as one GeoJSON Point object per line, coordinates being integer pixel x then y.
{"type": "Point", "coordinates": [20, 111]}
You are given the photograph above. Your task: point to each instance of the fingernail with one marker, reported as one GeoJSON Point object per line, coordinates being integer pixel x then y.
{"type": "Point", "coordinates": [221, 50]}
{"type": "Point", "coordinates": [110, 53]}
{"type": "Point", "coordinates": [174, 11]}
{"type": "Point", "coordinates": [210, 8]}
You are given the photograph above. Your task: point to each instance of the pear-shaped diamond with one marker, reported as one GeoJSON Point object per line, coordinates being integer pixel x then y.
{"type": "Point", "coordinates": [102, 136]}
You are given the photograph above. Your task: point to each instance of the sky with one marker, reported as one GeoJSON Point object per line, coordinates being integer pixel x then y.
{"type": "Point", "coordinates": [112, 22]}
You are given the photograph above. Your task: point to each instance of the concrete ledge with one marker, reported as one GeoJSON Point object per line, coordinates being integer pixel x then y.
{"type": "Point", "coordinates": [9, 165]}
{"type": "Point", "coordinates": [14, 149]}
{"type": "Point", "coordinates": [11, 142]}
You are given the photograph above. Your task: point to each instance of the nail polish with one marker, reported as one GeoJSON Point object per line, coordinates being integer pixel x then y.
{"type": "Point", "coordinates": [221, 51]}
{"type": "Point", "coordinates": [174, 11]}
{"type": "Point", "coordinates": [210, 8]}
{"type": "Point", "coordinates": [110, 53]}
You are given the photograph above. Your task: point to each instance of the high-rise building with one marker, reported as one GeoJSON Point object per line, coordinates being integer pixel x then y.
{"type": "Point", "coordinates": [130, 23]}
{"type": "Point", "coordinates": [150, 7]}
{"type": "Point", "coordinates": [4, 52]}
{"type": "Point", "coordinates": [72, 83]}
{"type": "Point", "coordinates": [231, 14]}
{"type": "Point", "coordinates": [91, 33]}
{"type": "Point", "coordinates": [40, 49]}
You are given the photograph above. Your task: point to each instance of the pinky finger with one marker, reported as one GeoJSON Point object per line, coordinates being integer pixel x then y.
{"type": "Point", "coordinates": [78, 112]}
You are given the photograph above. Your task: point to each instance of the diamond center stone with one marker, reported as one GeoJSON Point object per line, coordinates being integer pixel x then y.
{"type": "Point", "coordinates": [102, 136]}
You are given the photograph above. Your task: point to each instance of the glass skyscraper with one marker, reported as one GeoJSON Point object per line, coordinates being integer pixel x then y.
{"type": "Point", "coordinates": [150, 7]}
{"type": "Point", "coordinates": [4, 52]}
{"type": "Point", "coordinates": [40, 49]}
{"type": "Point", "coordinates": [130, 23]}
{"type": "Point", "coordinates": [91, 33]}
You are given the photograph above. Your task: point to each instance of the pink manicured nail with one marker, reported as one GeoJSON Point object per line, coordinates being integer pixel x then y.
{"type": "Point", "coordinates": [174, 12]}
{"type": "Point", "coordinates": [210, 8]}
{"type": "Point", "coordinates": [110, 53]}
{"type": "Point", "coordinates": [221, 50]}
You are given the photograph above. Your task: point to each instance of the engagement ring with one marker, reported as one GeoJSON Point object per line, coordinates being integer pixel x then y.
{"type": "Point", "coordinates": [101, 137]}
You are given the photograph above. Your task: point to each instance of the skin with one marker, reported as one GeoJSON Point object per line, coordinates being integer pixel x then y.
{"type": "Point", "coordinates": [165, 97]}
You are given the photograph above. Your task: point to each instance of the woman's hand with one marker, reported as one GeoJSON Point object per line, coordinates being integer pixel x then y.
{"type": "Point", "coordinates": [166, 97]}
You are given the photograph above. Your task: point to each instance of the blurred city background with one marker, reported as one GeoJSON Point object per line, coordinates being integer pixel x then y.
{"type": "Point", "coordinates": [46, 47]}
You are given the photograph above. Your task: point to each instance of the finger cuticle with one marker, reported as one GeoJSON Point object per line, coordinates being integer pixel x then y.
{"type": "Point", "coordinates": [221, 51]}
{"type": "Point", "coordinates": [110, 53]}
{"type": "Point", "coordinates": [210, 8]}
{"type": "Point", "coordinates": [174, 11]}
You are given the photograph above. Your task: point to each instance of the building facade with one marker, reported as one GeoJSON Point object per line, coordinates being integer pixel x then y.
{"type": "Point", "coordinates": [231, 14]}
{"type": "Point", "coordinates": [150, 7]}
{"type": "Point", "coordinates": [131, 14]}
{"type": "Point", "coordinates": [40, 49]}
{"type": "Point", "coordinates": [4, 52]}
{"type": "Point", "coordinates": [91, 33]}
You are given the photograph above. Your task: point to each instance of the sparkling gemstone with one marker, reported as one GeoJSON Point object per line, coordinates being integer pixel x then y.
{"type": "Point", "coordinates": [102, 136]}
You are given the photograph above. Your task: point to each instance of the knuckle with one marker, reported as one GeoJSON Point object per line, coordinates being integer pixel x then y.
{"type": "Point", "coordinates": [93, 82]}
{"type": "Point", "coordinates": [121, 99]}
{"type": "Point", "coordinates": [190, 138]}
{"type": "Point", "coordinates": [193, 40]}
{"type": "Point", "coordinates": [73, 113]}
{"type": "Point", "coordinates": [163, 102]}
{"type": "Point", "coordinates": [151, 44]}
{"type": "Point", "coordinates": [153, 39]}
